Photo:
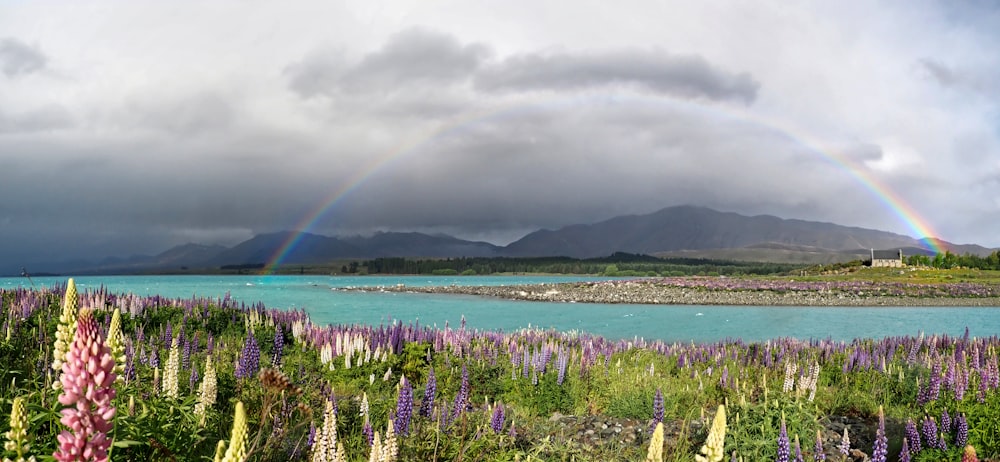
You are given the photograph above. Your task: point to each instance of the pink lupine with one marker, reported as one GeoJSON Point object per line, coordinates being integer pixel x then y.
{"type": "Point", "coordinates": [87, 390]}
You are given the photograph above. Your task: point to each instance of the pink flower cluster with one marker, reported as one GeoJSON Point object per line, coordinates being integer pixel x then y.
{"type": "Point", "coordinates": [87, 390]}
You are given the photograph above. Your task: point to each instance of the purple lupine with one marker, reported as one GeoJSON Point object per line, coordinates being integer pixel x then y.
{"type": "Point", "coordinates": [961, 431]}
{"type": "Point", "coordinates": [430, 391]}
{"type": "Point", "coordinates": [881, 448]}
{"type": "Point", "coordinates": [249, 363]}
{"type": "Point", "coordinates": [798, 450]}
{"type": "Point", "coordinates": [930, 432]}
{"type": "Point", "coordinates": [658, 410]}
{"type": "Point", "coordinates": [904, 453]}
{"type": "Point", "coordinates": [913, 436]}
{"type": "Point", "coordinates": [154, 358]}
{"type": "Point", "coordinates": [311, 439]}
{"type": "Point", "coordinates": [844, 448]}
{"type": "Point", "coordinates": [368, 432]}
{"type": "Point", "coordinates": [818, 454]}
{"type": "Point", "coordinates": [186, 354]}
{"type": "Point", "coordinates": [497, 421]}
{"type": "Point", "coordinates": [193, 383]}
{"type": "Point", "coordinates": [945, 421]}
{"type": "Point", "coordinates": [561, 364]}
{"type": "Point", "coordinates": [784, 450]}
{"type": "Point", "coordinates": [168, 334]}
{"type": "Point", "coordinates": [279, 346]}
{"type": "Point", "coordinates": [462, 398]}
{"type": "Point", "coordinates": [404, 407]}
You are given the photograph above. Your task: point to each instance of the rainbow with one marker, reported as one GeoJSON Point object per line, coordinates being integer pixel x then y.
{"type": "Point", "coordinates": [892, 201]}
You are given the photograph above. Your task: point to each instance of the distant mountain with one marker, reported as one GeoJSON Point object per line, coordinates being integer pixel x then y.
{"type": "Point", "coordinates": [682, 231]}
{"type": "Point", "coordinates": [689, 228]}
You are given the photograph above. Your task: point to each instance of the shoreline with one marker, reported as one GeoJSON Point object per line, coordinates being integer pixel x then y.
{"type": "Point", "coordinates": [654, 293]}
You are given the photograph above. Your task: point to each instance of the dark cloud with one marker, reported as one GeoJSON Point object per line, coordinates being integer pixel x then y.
{"type": "Point", "coordinates": [688, 76]}
{"type": "Point", "coordinates": [18, 58]}
{"type": "Point", "coordinates": [411, 57]}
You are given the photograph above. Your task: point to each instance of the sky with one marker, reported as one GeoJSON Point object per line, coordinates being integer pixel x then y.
{"type": "Point", "coordinates": [128, 127]}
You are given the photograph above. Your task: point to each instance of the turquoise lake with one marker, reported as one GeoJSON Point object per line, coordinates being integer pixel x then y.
{"type": "Point", "coordinates": [320, 297]}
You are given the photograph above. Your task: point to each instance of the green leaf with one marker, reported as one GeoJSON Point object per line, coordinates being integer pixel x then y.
{"type": "Point", "coordinates": [126, 443]}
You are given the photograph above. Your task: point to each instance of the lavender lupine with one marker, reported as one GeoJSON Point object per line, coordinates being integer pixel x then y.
{"type": "Point", "coordinates": [881, 449]}
{"type": "Point", "coordinates": [249, 363]}
{"type": "Point", "coordinates": [798, 450]}
{"type": "Point", "coordinates": [279, 346]}
{"type": "Point", "coordinates": [913, 436]}
{"type": "Point", "coordinates": [945, 421]}
{"type": "Point", "coordinates": [930, 432]}
{"type": "Point", "coordinates": [87, 390]}
{"type": "Point", "coordinates": [844, 448]}
{"type": "Point", "coordinates": [498, 419]}
{"type": "Point", "coordinates": [658, 410]}
{"type": "Point", "coordinates": [462, 398]}
{"type": "Point", "coordinates": [904, 453]}
{"type": "Point", "coordinates": [430, 391]}
{"type": "Point", "coordinates": [404, 407]}
{"type": "Point", "coordinates": [561, 364]}
{"type": "Point", "coordinates": [818, 454]}
{"type": "Point", "coordinates": [784, 449]}
{"type": "Point", "coordinates": [961, 430]}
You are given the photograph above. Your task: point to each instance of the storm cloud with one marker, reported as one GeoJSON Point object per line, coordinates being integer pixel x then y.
{"type": "Point", "coordinates": [241, 119]}
{"type": "Point", "coordinates": [659, 72]}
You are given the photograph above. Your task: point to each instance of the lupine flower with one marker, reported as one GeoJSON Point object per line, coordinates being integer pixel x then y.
{"type": "Point", "coordinates": [961, 430]}
{"type": "Point", "coordinates": [65, 330]}
{"type": "Point", "coordinates": [462, 398]}
{"type": "Point", "coordinates": [818, 454]}
{"type": "Point", "coordinates": [930, 431]}
{"type": "Point", "coordinates": [904, 453]}
{"type": "Point", "coordinates": [193, 379]}
{"type": "Point", "coordinates": [498, 419]}
{"type": "Point", "coordinates": [657, 409]}
{"type": "Point", "coordinates": [171, 382]}
{"type": "Point", "coordinates": [655, 451]}
{"type": "Point", "coordinates": [845, 444]}
{"type": "Point", "coordinates": [116, 342]}
{"type": "Point", "coordinates": [969, 454]}
{"type": "Point", "coordinates": [87, 390]}
{"type": "Point", "coordinates": [207, 391]}
{"type": "Point", "coordinates": [324, 447]}
{"type": "Point", "coordinates": [798, 450]}
{"type": "Point", "coordinates": [249, 362]}
{"type": "Point", "coordinates": [711, 451]}
{"type": "Point", "coordinates": [368, 432]}
{"type": "Point", "coordinates": [945, 421]}
{"type": "Point", "coordinates": [404, 406]}
{"type": "Point", "coordinates": [784, 451]}
{"type": "Point", "coordinates": [237, 450]}
{"type": "Point", "coordinates": [561, 364]}
{"type": "Point", "coordinates": [881, 449]}
{"type": "Point", "coordinates": [427, 405]}
{"type": "Point", "coordinates": [913, 437]}
{"type": "Point", "coordinates": [17, 436]}
{"type": "Point", "coordinates": [279, 346]}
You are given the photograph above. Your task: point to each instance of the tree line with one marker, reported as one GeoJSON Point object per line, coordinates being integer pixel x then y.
{"type": "Point", "coordinates": [619, 264]}
{"type": "Point", "coordinates": [948, 260]}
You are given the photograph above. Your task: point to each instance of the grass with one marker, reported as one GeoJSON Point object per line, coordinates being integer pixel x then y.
{"type": "Point", "coordinates": [606, 379]}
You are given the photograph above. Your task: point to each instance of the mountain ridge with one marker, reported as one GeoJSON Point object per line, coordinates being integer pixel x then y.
{"type": "Point", "coordinates": [684, 230]}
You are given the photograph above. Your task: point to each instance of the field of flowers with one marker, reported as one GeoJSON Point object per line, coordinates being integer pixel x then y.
{"type": "Point", "coordinates": [105, 376]}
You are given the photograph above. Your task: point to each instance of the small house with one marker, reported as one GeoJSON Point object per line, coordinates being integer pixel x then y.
{"type": "Point", "coordinates": [886, 259]}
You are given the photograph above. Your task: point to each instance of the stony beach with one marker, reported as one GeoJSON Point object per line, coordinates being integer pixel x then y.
{"type": "Point", "coordinates": [657, 292]}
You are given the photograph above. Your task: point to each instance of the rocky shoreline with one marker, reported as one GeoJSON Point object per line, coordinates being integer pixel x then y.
{"type": "Point", "coordinates": [647, 292]}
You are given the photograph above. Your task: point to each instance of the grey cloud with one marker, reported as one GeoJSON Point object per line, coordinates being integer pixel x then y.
{"type": "Point", "coordinates": [18, 58]}
{"type": "Point", "coordinates": [412, 56]}
{"type": "Point", "coordinates": [37, 120]}
{"type": "Point", "coordinates": [688, 76]}
{"type": "Point", "coordinates": [978, 82]}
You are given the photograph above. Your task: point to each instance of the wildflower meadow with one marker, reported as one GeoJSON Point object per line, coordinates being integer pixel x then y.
{"type": "Point", "coordinates": [109, 376]}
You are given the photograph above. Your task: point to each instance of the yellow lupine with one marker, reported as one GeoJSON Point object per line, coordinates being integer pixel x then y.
{"type": "Point", "coordinates": [237, 450]}
{"type": "Point", "coordinates": [655, 452]}
{"type": "Point", "coordinates": [712, 450]}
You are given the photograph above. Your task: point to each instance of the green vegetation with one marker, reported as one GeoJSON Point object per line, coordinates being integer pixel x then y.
{"type": "Point", "coordinates": [495, 396]}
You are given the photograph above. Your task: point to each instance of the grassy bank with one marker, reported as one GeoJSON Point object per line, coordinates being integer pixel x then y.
{"type": "Point", "coordinates": [478, 395]}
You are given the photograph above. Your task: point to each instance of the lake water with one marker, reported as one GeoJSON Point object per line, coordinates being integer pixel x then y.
{"type": "Point", "coordinates": [319, 296]}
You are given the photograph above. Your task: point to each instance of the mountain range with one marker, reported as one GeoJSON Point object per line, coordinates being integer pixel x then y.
{"type": "Point", "coordinates": [687, 231]}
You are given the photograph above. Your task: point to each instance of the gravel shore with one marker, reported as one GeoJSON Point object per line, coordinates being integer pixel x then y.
{"type": "Point", "coordinates": [653, 293]}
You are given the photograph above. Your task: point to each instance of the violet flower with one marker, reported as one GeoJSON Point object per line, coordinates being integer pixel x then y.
{"type": "Point", "coordinates": [784, 450]}
{"type": "Point", "coordinates": [930, 430]}
{"type": "Point", "coordinates": [404, 407]}
{"type": "Point", "coordinates": [658, 410]}
{"type": "Point", "coordinates": [87, 390]}
{"type": "Point", "coordinates": [881, 449]}
{"type": "Point", "coordinates": [430, 391]}
{"type": "Point", "coordinates": [913, 437]}
{"type": "Point", "coordinates": [497, 421]}
{"type": "Point", "coordinates": [961, 430]}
